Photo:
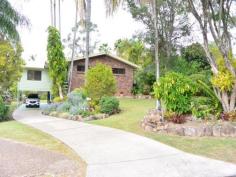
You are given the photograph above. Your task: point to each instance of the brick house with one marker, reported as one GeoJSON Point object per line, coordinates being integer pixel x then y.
{"type": "Point", "coordinates": [123, 71]}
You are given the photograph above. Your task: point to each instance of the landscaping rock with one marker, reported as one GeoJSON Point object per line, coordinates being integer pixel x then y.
{"type": "Point", "coordinates": [190, 131]}
{"type": "Point", "coordinates": [228, 130]}
{"type": "Point", "coordinates": [154, 122]}
{"type": "Point", "coordinates": [216, 131]}
{"type": "Point", "coordinates": [208, 131]}
{"type": "Point", "coordinates": [176, 131]}
{"type": "Point", "coordinates": [64, 115]}
{"type": "Point", "coordinates": [53, 114]}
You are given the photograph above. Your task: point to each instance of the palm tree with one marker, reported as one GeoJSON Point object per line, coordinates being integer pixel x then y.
{"type": "Point", "coordinates": [9, 20]}
{"type": "Point", "coordinates": [112, 6]}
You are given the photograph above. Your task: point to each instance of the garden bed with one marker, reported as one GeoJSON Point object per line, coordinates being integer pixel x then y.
{"type": "Point", "coordinates": [78, 107]}
{"type": "Point", "coordinates": [80, 118]}
{"type": "Point", "coordinates": [153, 122]}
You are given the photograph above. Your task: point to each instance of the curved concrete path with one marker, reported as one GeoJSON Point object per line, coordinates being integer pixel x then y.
{"type": "Point", "coordinates": [115, 153]}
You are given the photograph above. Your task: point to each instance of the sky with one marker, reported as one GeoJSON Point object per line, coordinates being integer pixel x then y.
{"type": "Point", "coordinates": [34, 38]}
{"type": "Point", "coordinates": [120, 25]}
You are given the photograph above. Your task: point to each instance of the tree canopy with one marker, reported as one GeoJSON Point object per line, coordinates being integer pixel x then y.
{"type": "Point", "coordinates": [56, 61]}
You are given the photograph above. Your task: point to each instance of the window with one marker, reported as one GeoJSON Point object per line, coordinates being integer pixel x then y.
{"type": "Point", "coordinates": [34, 75]}
{"type": "Point", "coordinates": [118, 70]}
{"type": "Point", "coordinates": [80, 68]}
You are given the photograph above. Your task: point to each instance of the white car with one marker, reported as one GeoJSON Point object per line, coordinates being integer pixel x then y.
{"type": "Point", "coordinates": [32, 100]}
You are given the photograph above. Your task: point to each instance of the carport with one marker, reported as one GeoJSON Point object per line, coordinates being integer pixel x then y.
{"type": "Point", "coordinates": [34, 80]}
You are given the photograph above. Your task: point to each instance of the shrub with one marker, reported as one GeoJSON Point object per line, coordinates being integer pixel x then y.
{"type": "Point", "coordinates": [144, 79]}
{"type": "Point", "coordinates": [74, 110]}
{"type": "Point", "coordinates": [109, 105]}
{"type": "Point", "coordinates": [50, 108]}
{"type": "Point", "coordinates": [100, 82]}
{"type": "Point", "coordinates": [176, 91]}
{"type": "Point", "coordinates": [64, 107]}
{"type": "Point", "coordinates": [231, 116]}
{"type": "Point", "coordinates": [178, 119]}
{"type": "Point", "coordinates": [3, 110]}
{"type": "Point", "coordinates": [81, 91]}
{"type": "Point", "coordinates": [84, 113]}
{"type": "Point", "coordinates": [201, 107]}
{"type": "Point", "coordinates": [175, 118]}
{"type": "Point", "coordinates": [77, 99]}
{"type": "Point", "coordinates": [59, 100]}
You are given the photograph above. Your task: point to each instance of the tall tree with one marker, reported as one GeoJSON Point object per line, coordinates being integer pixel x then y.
{"type": "Point", "coordinates": [56, 61]}
{"type": "Point", "coordinates": [83, 8]}
{"type": "Point", "coordinates": [73, 45]}
{"type": "Point", "coordinates": [217, 18]}
{"type": "Point", "coordinates": [87, 27]}
{"type": "Point", "coordinates": [11, 65]}
{"type": "Point", "coordinates": [112, 6]}
{"type": "Point", "coordinates": [9, 20]}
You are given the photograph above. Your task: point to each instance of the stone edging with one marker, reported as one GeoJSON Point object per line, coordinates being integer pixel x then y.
{"type": "Point", "coordinates": [152, 122]}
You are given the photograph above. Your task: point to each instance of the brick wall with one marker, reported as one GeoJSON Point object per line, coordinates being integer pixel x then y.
{"type": "Point", "coordinates": [124, 81]}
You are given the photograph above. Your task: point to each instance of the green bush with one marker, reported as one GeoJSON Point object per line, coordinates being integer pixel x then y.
{"type": "Point", "coordinates": [144, 79]}
{"type": "Point", "coordinates": [109, 105]}
{"type": "Point", "coordinates": [63, 107]}
{"type": "Point", "coordinates": [176, 91]}
{"type": "Point", "coordinates": [201, 107]}
{"type": "Point", "coordinates": [3, 110]}
{"type": "Point", "coordinates": [59, 100]}
{"type": "Point", "coordinates": [77, 99]}
{"type": "Point", "coordinates": [100, 82]}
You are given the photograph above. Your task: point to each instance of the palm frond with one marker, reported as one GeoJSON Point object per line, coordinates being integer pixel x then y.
{"type": "Point", "coordinates": [9, 20]}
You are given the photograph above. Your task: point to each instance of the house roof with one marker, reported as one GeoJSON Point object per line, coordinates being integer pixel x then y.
{"type": "Point", "coordinates": [112, 56]}
{"type": "Point", "coordinates": [38, 67]}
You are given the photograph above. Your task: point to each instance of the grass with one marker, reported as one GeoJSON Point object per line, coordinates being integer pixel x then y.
{"type": "Point", "coordinates": [19, 132]}
{"type": "Point", "coordinates": [133, 112]}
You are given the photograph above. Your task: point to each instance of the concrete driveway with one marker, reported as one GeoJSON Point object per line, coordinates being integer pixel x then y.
{"type": "Point", "coordinates": [115, 153]}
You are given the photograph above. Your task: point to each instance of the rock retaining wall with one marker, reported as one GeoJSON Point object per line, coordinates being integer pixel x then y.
{"type": "Point", "coordinates": [153, 122]}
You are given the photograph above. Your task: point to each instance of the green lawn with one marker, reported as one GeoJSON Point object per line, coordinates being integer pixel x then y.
{"type": "Point", "coordinates": [19, 132]}
{"type": "Point", "coordinates": [133, 112]}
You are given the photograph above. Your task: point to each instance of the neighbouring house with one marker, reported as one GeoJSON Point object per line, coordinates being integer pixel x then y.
{"type": "Point", "coordinates": [36, 80]}
{"type": "Point", "coordinates": [123, 71]}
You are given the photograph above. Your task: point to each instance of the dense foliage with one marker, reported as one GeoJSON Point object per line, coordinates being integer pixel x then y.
{"type": "Point", "coordinates": [133, 50]}
{"type": "Point", "coordinates": [176, 91]}
{"type": "Point", "coordinates": [100, 82]}
{"type": "Point", "coordinates": [56, 61]}
{"type": "Point", "coordinates": [109, 105]}
{"type": "Point", "coordinates": [3, 110]}
{"type": "Point", "coordinates": [75, 104]}
{"type": "Point", "coordinates": [11, 66]}
{"type": "Point", "coordinates": [195, 52]}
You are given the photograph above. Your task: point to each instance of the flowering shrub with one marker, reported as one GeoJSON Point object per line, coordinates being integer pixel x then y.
{"type": "Point", "coordinates": [176, 91]}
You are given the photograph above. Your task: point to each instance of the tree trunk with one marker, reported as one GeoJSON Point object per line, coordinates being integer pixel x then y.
{"type": "Point", "coordinates": [60, 91]}
{"type": "Point", "coordinates": [51, 5]}
{"type": "Point", "coordinates": [155, 20]}
{"type": "Point", "coordinates": [59, 15]}
{"type": "Point", "coordinates": [87, 26]}
{"type": "Point", "coordinates": [73, 49]}
{"type": "Point", "coordinates": [55, 13]}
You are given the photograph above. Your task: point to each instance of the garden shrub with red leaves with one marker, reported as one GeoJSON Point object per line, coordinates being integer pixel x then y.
{"type": "Point", "coordinates": [231, 116]}
{"type": "Point", "coordinates": [175, 118]}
